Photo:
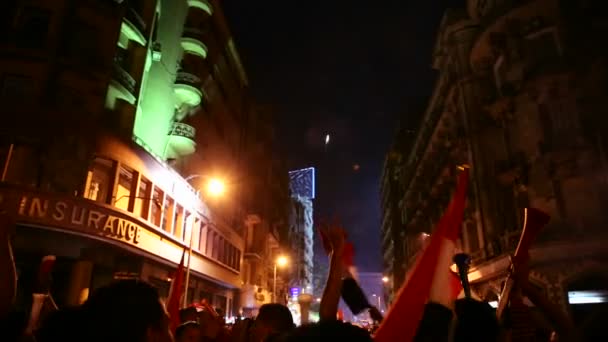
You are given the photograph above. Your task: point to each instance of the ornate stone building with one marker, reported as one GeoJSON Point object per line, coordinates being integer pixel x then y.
{"type": "Point", "coordinates": [520, 96]}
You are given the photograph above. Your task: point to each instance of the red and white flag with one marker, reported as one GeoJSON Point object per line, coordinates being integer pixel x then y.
{"type": "Point", "coordinates": [431, 275]}
{"type": "Point", "coordinates": [175, 294]}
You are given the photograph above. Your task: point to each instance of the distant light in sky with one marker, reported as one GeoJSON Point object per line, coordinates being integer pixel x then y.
{"type": "Point", "coordinates": [326, 139]}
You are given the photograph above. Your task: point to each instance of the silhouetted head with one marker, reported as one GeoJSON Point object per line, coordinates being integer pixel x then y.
{"type": "Point", "coordinates": [13, 325]}
{"type": "Point", "coordinates": [62, 325]}
{"type": "Point", "coordinates": [128, 310]}
{"type": "Point", "coordinates": [325, 331]}
{"type": "Point", "coordinates": [188, 332]}
{"type": "Point", "coordinates": [272, 319]}
{"type": "Point", "coordinates": [476, 321]}
{"type": "Point", "coordinates": [188, 314]}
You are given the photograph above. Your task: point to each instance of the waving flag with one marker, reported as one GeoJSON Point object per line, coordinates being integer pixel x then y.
{"type": "Point", "coordinates": [175, 294]}
{"type": "Point", "coordinates": [430, 273]}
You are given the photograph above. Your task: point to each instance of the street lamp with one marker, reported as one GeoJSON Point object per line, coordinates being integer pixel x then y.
{"type": "Point", "coordinates": [384, 279]}
{"type": "Point", "coordinates": [215, 186]}
{"type": "Point", "coordinates": [281, 261]}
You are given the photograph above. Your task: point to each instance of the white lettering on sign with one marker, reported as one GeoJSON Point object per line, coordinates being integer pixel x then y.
{"type": "Point", "coordinates": [79, 217]}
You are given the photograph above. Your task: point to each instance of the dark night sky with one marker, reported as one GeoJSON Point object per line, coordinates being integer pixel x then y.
{"type": "Point", "coordinates": [352, 69]}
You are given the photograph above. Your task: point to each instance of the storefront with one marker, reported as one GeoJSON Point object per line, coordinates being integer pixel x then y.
{"type": "Point", "coordinates": [96, 243]}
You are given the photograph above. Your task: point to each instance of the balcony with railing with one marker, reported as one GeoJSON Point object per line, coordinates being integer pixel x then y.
{"type": "Point", "coordinates": [133, 27]}
{"type": "Point", "coordinates": [201, 5]}
{"type": "Point", "coordinates": [193, 41]}
{"type": "Point", "coordinates": [181, 140]}
{"type": "Point", "coordinates": [122, 85]}
{"type": "Point", "coordinates": [187, 89]}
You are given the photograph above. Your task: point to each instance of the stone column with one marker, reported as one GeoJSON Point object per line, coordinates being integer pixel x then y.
{"type": "Point", "coordinates": [304, 300]}
{"type": "Point", "coordinates": [80, 281]}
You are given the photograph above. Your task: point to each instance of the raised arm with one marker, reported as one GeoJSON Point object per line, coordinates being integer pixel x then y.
{"type": "Point", "coordinates": [331, 294]}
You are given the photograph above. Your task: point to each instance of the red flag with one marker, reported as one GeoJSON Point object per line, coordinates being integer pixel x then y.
{"type": "Point", "coordinates": [401, 322]}
{"type": "Point", "coordinates": [175, 294]}
{"type": "Point", "coordinates": [455, 285]}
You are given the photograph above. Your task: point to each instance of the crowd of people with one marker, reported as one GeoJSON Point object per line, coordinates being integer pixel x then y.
{"type": "Point", "coordinates": [132, 310]}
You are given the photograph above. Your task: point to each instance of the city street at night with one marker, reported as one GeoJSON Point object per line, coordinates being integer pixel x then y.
{"type": "Point", "coordinates": [241, 171]}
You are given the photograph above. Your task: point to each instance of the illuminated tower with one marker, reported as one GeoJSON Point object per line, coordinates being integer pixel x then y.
{"type": "Point", "coordinates": [302, 186]}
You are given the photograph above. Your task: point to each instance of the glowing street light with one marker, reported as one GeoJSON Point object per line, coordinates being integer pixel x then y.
{"type": "Point", "coordinates": [281, 261]}
{"type": "Point", "coordinates": [216, 187]}
{"type": "Point", "coordinates": [385, 279]}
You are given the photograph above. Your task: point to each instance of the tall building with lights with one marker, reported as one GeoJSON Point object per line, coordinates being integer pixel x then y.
{"type": "Point", "coordinates": [117, 112]}
{"type": "Point", "coordinates": [520, 96]}
{"type": "Point", "coordinates": [301, 228]}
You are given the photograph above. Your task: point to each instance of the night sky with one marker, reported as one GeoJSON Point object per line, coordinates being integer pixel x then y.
{"type": "Point", "coordinates": [351, 69]}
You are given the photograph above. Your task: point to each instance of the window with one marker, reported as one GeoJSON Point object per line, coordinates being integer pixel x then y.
{"type": "Point", "coordinates": [157, 205]}
{"type": "Point", "coordinates": [196, 231]}
{"type": "Point", "coordinates": [215, 252]}
{"type": "Point", "coordinates": [123, 188]}
{"type": "Point", "coordinates": [32, 26]}
{"type": "Point", "coordinates": [238, 260]}
{"type": "Point", "coordinates": [101, 177]}
{"type": "Point", "coordinates": [203, 239]}
{"type": "Point", "coordinates": [142, 202]}
{"type": "Point", "coordinates": [178, 222]}
{"type": "Point", "coordinates": [168, 212]}
{"type": "Point", "coordinates": [209, 244]}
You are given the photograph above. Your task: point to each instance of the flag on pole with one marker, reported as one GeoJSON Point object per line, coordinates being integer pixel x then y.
{"type": "Point", "coordinates": [40, 294]}
{"type": "Point", "coordinates": [175, 294]}
{"type": "Point", "coordinates": [430, 273]}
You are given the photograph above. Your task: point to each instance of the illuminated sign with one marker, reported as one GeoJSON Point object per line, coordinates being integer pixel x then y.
{"type": "Point", "coordinates": [78, 215]}
{"type": "Point", "coordinates": [295, 292]}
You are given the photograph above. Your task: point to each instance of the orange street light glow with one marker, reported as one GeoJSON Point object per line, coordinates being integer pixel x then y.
{"type": "Point", "coordinates": [282, 261]}
{"type": "Point", "coordinates": [216, 187]}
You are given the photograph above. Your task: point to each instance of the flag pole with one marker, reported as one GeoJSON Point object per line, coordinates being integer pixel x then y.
{"type": "Point", "coordinates": [185, 303]}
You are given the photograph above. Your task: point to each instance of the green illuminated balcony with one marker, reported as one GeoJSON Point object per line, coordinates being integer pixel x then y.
{"type": "Point", "coordinates": [192, 42]}
{"type": "Point", "coordinates": [202, 5]}
{"type": "Point", "coordinates": [122, 85]}
{"type": "Point", "coordinates": [181, 140]}
{"type": "Point", "coordinates": [187, 89]}
{"type": "Point", "coordinates": [133, 28]}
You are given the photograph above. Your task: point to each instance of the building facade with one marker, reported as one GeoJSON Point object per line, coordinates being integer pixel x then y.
{"type": "Point", "coordinates": [117, 111]}
{"type": "Point", "coordinates": [519, 97]}
{"type": "Point", "coordinates": [302, 185]}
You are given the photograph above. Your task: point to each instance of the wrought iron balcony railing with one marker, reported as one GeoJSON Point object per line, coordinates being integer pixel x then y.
{"type": "Point", "coordinates": [181, 129]}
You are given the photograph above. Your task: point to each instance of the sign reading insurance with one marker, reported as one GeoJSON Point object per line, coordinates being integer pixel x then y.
{"type": "Point", "coordinates": [77, 214]}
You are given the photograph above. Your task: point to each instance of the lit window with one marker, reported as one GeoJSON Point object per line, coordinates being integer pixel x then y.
{"type": "Point", "coordinates": [100, 180]}
{"type": "Point", "coordinates": [168, 213]}
{"type": "Point", "coordinates": [178, 222]}
{"type": "Point", "coordinates": [156, 207]}
{"type": "Point", "coordinates": [142, 202]}
{"type": "Point", "coordinates": [123, 189]}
